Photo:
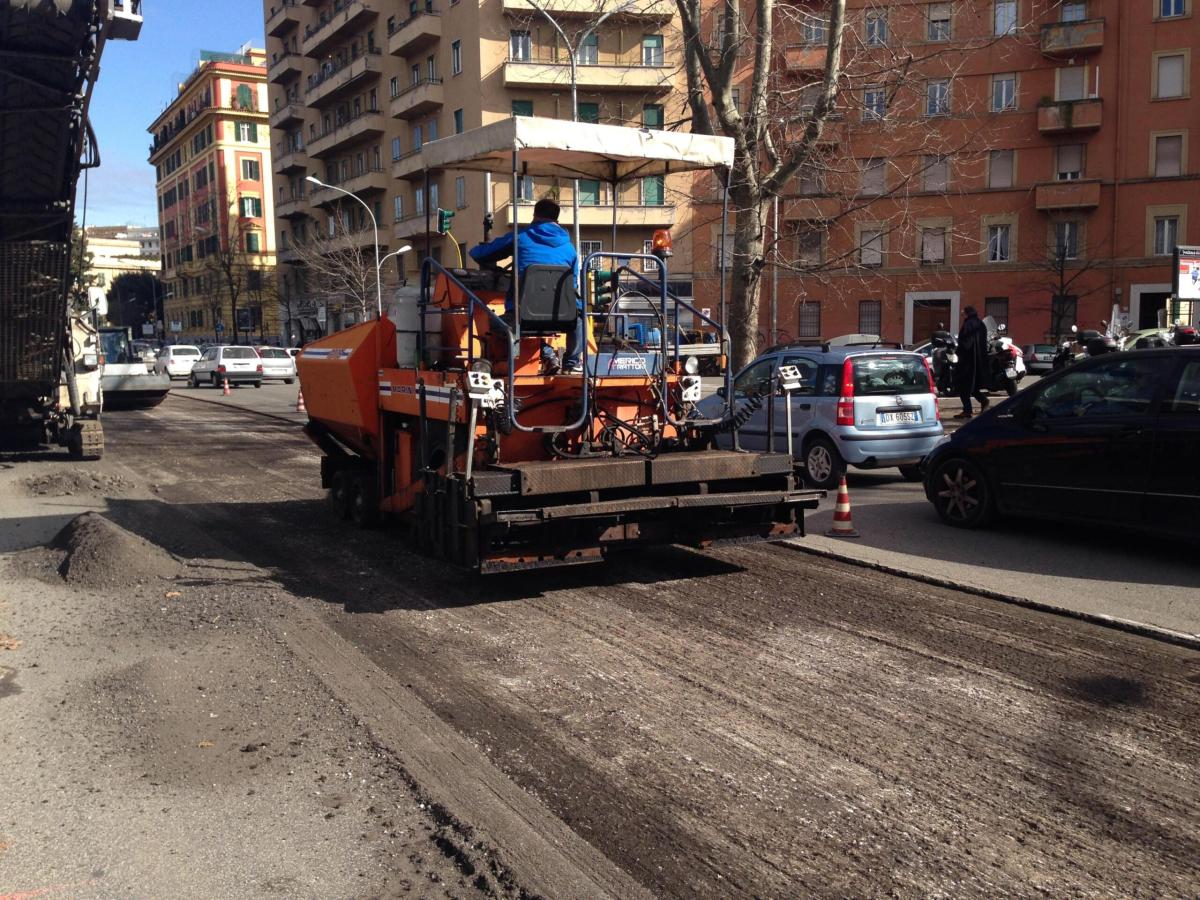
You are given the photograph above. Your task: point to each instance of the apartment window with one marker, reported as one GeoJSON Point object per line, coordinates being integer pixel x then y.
{"type": "Point", "coordinates": [808, 320]}
{"type": "Point", "coordinates": [811, 180]}
{"type": "Point", "coordinates": [1168, 9]}
{"type": "Point", "coordinates": [247, 132]}
{"type": "Point", "coordinates": [460, 192]}
{"type": "Point", "coordinates": [431, 68]}
{"type": "Point", "coordinates": [1072, 83]}
{"type": "Point", "coordinates": [432, 130]}
{"type": "Point", "coordinates": [589, 51]}
{"type": "Point", "coordinates": [456, 58]}
{"type": "Point", "coordinates": [434, 199]}
{"type": "Point", "coordinates": [1170, 76]}
{"type": "Point", "coordinates": [735, 94]}
{"type": "Point", "coordinates": [419, 201]}
{"type": "Point", "coordinates": [933, 246]}
{"type": "Point", "coordinates": [587, 248]}
{"type": "Point", "coordinates": [253, 242]}
{"type": "Point", "coordinates": [396, 151]}
{"type": "Point", "coordinates": [397, 208]}
{"type": "Point", "coordinates": [999, 237]}
{"type": "Point", "coordinates": [1069, 162]}
{"type": "Point", "coordinates": [1168, 155]}
{"type": "Point", "coordinates": [525, 188]}
{"type": "Point", "coordinates": [418, 136]}
{"type": "Point", "coordinates": [1004, 17]}
{"type": "Point", "coordinates": [589, 192]}
{"type": "Point", "coordinates": [652, 50]}
{"type": "Point", "coordinates": [1000, 168]}
{"type": "Point", "coordinates": [522, 107]}
{"type": "Point", "coordinates": [870, 248]}
{"type": "Point", "coordinates": [877, 28]}
{"type": "Point", "coordinates": [458, 121]}
{"type": "Point", "coordinates": [809, 244]}
{"type": "Point", "coordinates": [415, 74]}
{"type": "Point", "coordinates": [997, 308]}
{"type": "Point", "coordinates": [1073, 11]}
{"type": "Point", "coordinates": [937, 97]}
{"type": "Point", "coordinates": [653, 191]}
{"type": "Point", "coordinates": [938, 21]}
{"type": "Point", "coordinates": [813, 29]}
{"type": "Point", "coordinates": [874, 103]}
{"type": "Point", "coordinates": [250, 207]}
{"type": "Point", "coordinates": [1166, 235]}
{"type": "Point", "coordinates": [648, 250]}
{"type": "Point", "coordinates": [1004, 92]}
{"type": "Point", "coordinates": [1064, 312]}
{"type": "Point", "coordinates": [520, 46]}
{"type": "Point", "coordinates": [1066, 240]}
{"type": "Point", "coordinates": [394, 85]}
{"type": "Point", "coordinates": [589, 112]}
{"type": "Point", "coordinates": [870, 317]}
{"type": "Point", "coordinates": [722, 254]}
{"type": "Point", "coordinates": [935, 174]}
{"type": "Point", "coordinates": [873, 176]}
{"type": "Point", "coordinates": [652, 116]}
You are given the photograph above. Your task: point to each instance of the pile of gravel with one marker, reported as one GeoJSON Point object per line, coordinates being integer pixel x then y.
{"type": "Point", "coordinates": [76, 482]}
{"type": "Point", "coordinates": [101, 555]}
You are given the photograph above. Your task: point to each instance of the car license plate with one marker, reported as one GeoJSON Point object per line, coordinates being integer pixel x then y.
{"type": "Point", "coordinates": [1010, 373]}
{"type": "Point", "coordinates": [907, 417]}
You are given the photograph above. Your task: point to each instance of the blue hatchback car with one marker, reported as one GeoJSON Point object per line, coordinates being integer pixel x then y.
{"type": "Point", "coordinates": [860, 405]}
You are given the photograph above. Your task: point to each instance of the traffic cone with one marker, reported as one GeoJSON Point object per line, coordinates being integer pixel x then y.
{"type": "Point", "coordinates": [843, 527]}
{"type": "Point", "coordinates": [300, 401]}
{"type": "Point", "coordinates": [226, 390]}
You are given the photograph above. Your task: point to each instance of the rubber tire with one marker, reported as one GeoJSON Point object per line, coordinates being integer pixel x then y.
{"type": "Point", "coordinates": [194, 381]}
{"type": "Point", "coordinates": [912, 473]}
{"type": "Point", "coordinates": [258, 384]}
{"type": "Point", "coordinates": [341, 493]}
{"type": "Point", "coordinates": [289, 381]}
{"type": "Point", "coordinates": [215, 383]}
{"type": "Point", "coordinates": [959, 469]}
{"type": "Point", "coordinates": [820, 444]}
{"type": "Point", "coordinates": [364, 510]}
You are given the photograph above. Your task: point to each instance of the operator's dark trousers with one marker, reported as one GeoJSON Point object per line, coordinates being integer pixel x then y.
{"type": "Point", "coordinates": [966, 391]}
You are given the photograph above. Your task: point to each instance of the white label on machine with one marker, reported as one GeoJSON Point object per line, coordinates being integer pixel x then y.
{"type": "Point", "coordinates": [690, 388]}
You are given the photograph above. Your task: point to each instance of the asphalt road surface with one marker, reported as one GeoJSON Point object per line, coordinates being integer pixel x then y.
{"type": "Point", "coordinates": [751, 722]}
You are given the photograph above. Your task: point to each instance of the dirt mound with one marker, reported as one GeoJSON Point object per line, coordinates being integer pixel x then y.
{"type": "Point", "coordinates": [99, 554]}
{"type": "Point", "coordinates": [76, 482]}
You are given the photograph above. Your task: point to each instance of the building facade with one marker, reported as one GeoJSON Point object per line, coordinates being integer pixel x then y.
{"type": "Point", "coordinates": [1029, 158]}
{"type": "Point", "coordinates": [212, 157]}
{"type": "Point", "coordinates": [358, 86]}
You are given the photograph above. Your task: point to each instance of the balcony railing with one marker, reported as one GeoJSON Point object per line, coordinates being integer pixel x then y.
{"type": "Point", "coordinates": [805, 57]}
{"type": "Point", "coordinates": [645, 9]}
{"type": "Point", "coordinates": [282, 18]}
{"type": "Point", "coordinates": [610, 71]}
{"type": "Point", "coordinates": [415, 33]}
{"type": "Point", "coordinates": [284, 66]}
{"type": "Point", "coordinates": [289, 160]}
{"type": "Point", "coordinates": [417, 99]}
{"type": "Point", "coordinates": [635, 215]}
{"type": "Point", "coordinates": [1073, 38]}
{"type": "Point", "coordinates": [365, 125]}
{"type": "Point", "coordinates": [295, 203]}
{"type": "Point", "coordinates": [372, 180]}
{"type": "Point", "coordinates": [346, 17]}
{"type": "Point", "coordinates": [1056, 195]}
{"type": "Point", "coordinates": [332, 79]}
{"type": "Point", "coordinates": [285, 113]}
{"type": "Point", "coordinates": [1070, 115]}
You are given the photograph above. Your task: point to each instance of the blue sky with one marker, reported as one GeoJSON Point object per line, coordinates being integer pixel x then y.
{"type": "Point", "coordinates": [137, 80]}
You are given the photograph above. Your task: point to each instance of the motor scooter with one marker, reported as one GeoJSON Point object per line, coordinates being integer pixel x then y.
{"type": "Point", "coordinates": [1065, 354]}
{"type": "Point", "coordinates": [1005, 359]}
{"type": "Point", "coordinates": [944, 360]}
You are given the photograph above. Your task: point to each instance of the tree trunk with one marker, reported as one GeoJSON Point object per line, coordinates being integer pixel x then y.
{"type": "Point", "coordinates": [746, 282]}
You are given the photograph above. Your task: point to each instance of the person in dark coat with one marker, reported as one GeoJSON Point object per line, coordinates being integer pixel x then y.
{"type": "Point", "coordinates": [970, 374]}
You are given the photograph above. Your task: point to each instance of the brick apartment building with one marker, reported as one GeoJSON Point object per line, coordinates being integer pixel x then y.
{"type": "Point", "coordinates": [212, 159]}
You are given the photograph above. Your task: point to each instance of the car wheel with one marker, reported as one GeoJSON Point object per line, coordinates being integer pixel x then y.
{"type": "Point", "coordinates": [289, 381]}
{"type": "Point", "coordinates": [823, 465]}
{"type": "Point", "coordinates": [258, 384]}
{"type": "Point", "coordinates": [961, 494]}
{"type": "Point", "coordinates": [911, 473]}
{"type": "Point", "coordinates": [215, 383]}
{"type": "Point", "coordinates": [195, 382]}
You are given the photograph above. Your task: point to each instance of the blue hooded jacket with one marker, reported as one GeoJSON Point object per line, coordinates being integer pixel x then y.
{"type": "Point", "coordinates": [543, 243]}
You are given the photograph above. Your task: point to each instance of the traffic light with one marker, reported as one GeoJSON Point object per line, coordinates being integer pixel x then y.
{"type": "Point", "coordinates": [603, 286]}
{"type": "Point", "coordinates": [443, 220]}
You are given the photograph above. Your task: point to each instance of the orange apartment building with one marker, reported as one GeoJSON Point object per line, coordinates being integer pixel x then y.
{"type": "Point", "coordinates": [1028, 144]}
{"type": "Point", "coordinates": [212, 159]}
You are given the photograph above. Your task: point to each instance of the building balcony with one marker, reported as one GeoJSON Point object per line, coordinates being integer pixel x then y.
{"type": "Point", "coordinates": [366, 126]}
{"type": "Point", "coordinates": [1056, 195]}
{"type": "Point", "coordinates": [288, 256]}
{"type": "Point", "coordinates": [1073, 38]}
{"type": "Point", "coordinates": [284, 67]}
{"type": "Point", "coordinates": [805, 58]}
{"type": "Point", "coordinates": [292, 206]}
{"type": "Point", "coordinates": [125, 20]}
{"type": "Point", "coordinates": [286, 114]}
{"type": "Point", "coordinates": [600, 77]}
{"type": "Point", "coordinates": [372, 181]}
{"type": "Point", "coordinates": [645, 9]}
{"type": "Point", "coordinates": [329, 85]}
{"type": "Point", "coordinates": [290, 161]}
{"type": "Point", "coordinates": [409, 165]}
{"type": "Point", "coordinates": [1070, 115]}
{"type": "Point", "coordinates": [418, 99]}
{"type": "Point", "coordinates": [412, 227]}
{"type": "Point", "coordinates": [415, 33]}
{"type": "Point", "coordinates": [354, 16]}
{"type": "Point", "coordinates": [282, 18]}
{"type": "Point", "coordinates": [599, 215]}
{"type": "Point", "coordinates": [360, 239]}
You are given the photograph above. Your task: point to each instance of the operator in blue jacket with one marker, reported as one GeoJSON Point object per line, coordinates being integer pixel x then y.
{"type": "Point", "coordinates": [543, 242]}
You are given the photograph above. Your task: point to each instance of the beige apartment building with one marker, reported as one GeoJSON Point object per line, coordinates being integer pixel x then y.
{"type": "Point", "coordinates": [211, 153]}
{"type": "Point", "coordinates": [358, 86]}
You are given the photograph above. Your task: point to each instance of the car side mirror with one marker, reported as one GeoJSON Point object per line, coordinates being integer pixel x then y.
{"type": "Point", "coordinates": [721, 391]}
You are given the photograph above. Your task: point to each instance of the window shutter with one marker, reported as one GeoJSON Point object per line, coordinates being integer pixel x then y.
{"type": "Point", "coordinates": [933, 245]}
{"type": "Point", "coordinates": [254, 132]}
{"type": "Point", "coordinates": [1070, 159]}
{"type": "Point", "coordinates": [1168, 156]}
{"type": "Point", "coordinates": [1170, 76]}
{"type": "Point", "coordinates": [1071, 83]}
{"type": "Point", "coordinates": [1001, 169]}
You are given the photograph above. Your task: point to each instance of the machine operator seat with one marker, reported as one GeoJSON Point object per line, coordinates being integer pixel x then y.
{"type": "Point", "coordinates": [549, 302]}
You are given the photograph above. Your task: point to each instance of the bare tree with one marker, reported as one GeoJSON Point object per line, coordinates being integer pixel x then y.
{"type": "Point", "coordinates": [336, 264]}
{"type": "Point", "coordinates": [1061, 277]}
{"type": "Point", "coordinates": [229, 259]}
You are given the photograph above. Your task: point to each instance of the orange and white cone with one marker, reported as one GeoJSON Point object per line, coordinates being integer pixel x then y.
{"type": "Point", "coordinates": [300, 401]}
{"type": "Point", "coordinates": [843, 526]}
{"type": "Point", "coordinates": [226, 390]}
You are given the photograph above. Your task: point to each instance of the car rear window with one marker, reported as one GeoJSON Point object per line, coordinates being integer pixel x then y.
{"type": "Point", "coordinates": [239, 353]}
{"type": "Point", "coordinates": [1044, 348]}
{"type": "Point", "coordinates": [269, 353]}
{"type": "Point", "coordinates": [881, 375]}
{"type": "Point", "coordinates": [185, 351]}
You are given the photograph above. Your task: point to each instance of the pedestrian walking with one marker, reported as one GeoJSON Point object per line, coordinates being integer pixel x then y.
{"type": "Point", "coordinates": [970, 374]}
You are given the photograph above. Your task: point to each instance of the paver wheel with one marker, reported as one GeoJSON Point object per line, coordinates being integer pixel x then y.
{"type": "Point", "coordinates": [341, 493]}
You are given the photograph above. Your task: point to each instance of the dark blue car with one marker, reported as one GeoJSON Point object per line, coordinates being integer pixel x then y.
{"type": "Point", "coordinates": [1114, 439]}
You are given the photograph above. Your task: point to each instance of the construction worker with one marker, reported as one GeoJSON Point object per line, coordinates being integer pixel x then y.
{"type": "Point", "coordinates": [542, 242]}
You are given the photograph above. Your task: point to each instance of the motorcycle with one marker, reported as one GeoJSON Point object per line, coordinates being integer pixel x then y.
{"type": "Point", "coordinates": [1006, 365]}
{"type": "Point", "coordinates": [943, 360]}
{"type": "Point", "coordinates": [1065, 355]}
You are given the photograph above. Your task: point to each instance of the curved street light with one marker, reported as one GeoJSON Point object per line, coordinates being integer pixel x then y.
{"type": "Point", "coordinates": [313, 179]}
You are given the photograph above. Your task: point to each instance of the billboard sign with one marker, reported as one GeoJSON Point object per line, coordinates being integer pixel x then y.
{"type": "Point", "coordinates": [1187, 273]}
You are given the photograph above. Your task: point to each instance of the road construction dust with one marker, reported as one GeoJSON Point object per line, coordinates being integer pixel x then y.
{"type": "Point", "coordinates": [77, 483]}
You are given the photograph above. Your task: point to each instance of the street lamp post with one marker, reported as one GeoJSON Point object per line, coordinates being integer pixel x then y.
{"type": "Point", "coordinates": [313, 179]}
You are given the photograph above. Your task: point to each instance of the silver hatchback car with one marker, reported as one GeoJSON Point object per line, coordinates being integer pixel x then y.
{"type": "Point", "coordinates": [858, 405]}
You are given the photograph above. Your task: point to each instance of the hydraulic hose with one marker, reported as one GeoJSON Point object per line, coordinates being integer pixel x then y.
{"type": "Point", "coordinates": [741, 416]}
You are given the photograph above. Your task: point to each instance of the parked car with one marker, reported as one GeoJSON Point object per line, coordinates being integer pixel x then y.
{"type": "Point", "coordinates": [176, 360]}
{"type": "Point", "coordinates": [220, 363]}
{"type": "Point", "coordinates": [277, 363]}
{"type": "Point", "coordinates": [1039, 358]}
{"type": "Point", "coordinates": [146, 351]}
{"type": "Point", "coordinates": [858, 406]}
{"type": "Point", "coordinates": [1146, 339]}
{"type": "Point", "coordinates": [1113, 439]}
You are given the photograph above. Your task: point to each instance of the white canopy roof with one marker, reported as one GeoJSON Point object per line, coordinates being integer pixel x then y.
{"type": "Point", "coordinates": [554, 148]}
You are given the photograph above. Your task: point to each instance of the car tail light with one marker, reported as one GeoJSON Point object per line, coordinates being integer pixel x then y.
{"type": "Point", "coordinates": [937, 412]}
{"type": "Point", "coordinates": [845, 404]}
{"type": "Point", "coordinates": [221, 369]}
